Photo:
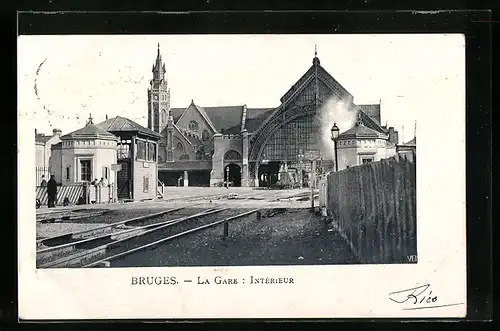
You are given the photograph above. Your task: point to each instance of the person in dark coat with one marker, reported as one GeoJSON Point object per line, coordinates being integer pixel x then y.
{"type": "Point", "coordinates": [44, 182]}
{"type": "Point", "coordinates": [52, 191]}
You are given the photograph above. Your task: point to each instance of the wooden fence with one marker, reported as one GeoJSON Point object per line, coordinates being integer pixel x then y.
{"type": "Point", "coordinates": [374, 207]}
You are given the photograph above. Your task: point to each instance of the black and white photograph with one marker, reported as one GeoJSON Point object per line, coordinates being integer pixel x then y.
{"type": "Point", "coordinates": [159, 152]}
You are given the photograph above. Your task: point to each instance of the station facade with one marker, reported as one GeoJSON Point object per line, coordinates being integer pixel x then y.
{"type": "Point", "coordinates": [207, 146]}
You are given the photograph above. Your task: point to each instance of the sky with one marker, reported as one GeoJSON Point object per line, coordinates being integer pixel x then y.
{"type": "Point", "coordinates": [64, 79]}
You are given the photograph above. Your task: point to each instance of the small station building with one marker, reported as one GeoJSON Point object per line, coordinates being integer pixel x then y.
{"type": "Point", "coordinates": [137, 158]}
{"type": "Point", "coordinates": [119, 152]}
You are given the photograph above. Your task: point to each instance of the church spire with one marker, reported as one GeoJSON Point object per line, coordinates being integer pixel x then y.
{"type": "Point", "coordinates": [90, 121]}
{"type": "Point", "coordinates": [158, 66]}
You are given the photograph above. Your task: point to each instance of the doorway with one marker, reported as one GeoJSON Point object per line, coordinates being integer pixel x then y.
{"type": "Point", "coordinates": [124, 180]}
{"type": "Point", "coordinates": [232, 173]}
{"type": "Point", "coordinates": [268, 174]}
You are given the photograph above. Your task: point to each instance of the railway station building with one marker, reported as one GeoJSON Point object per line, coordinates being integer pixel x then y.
{"type": "Point", "coordinates": [206, 146]}
{"type": "Point", "coordinates": [118, 151]}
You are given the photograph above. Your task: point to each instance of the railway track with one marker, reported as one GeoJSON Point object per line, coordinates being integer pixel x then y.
{"type": "Point", "coordinates": [105, 262]}
{"type": "Point", "coordinates": [88, 248]}
{"type": "Point", "coordinates": [49, 244]}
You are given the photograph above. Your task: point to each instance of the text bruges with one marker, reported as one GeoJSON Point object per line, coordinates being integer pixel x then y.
{"type": "Point", "coordinates": [154, 280]}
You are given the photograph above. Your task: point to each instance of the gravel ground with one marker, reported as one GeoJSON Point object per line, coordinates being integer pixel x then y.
{"type": "Point", "coordinates": [296, 237]}
{"type": "Point", "coordinates": [122, 214]}
{"type": "Point", "coordinates": [46, 230]}
{"type": "Point", "coordinates": [56, 229]}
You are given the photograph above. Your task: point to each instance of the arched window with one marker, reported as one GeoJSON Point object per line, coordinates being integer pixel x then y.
{"type": "Point", "coordinates": [205, 135]}
{"type": "Point", "coordinates": [193, 126]}
{"type": "Point", "coordinates": [179, 147]}
{"type": "Point", "coordinates": [163, 115]}
{"type": "Point", "coordinates": [232, 155]}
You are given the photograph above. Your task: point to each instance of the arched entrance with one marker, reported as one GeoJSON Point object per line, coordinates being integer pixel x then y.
{"type": "Point", "coordinates": [232, 173]}
{"type": "Point", "coordinates": [268, 173]}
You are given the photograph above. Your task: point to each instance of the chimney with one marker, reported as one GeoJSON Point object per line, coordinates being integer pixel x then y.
{"type": "Point", "coordinates": [393, 135]}
{"type": "Point", "coordinates": [36, 132]}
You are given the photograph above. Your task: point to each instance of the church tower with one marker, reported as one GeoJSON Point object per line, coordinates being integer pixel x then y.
{"type": "Point", "coordinates": [158, 96]}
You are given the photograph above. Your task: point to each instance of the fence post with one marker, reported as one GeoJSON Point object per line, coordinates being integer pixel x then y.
{"type": "Point", "coordinates": [312, 183]}
{"type": "Point", "coordinates": [87, 193]}
{"type": "Point", "coordinates": [226, 231]}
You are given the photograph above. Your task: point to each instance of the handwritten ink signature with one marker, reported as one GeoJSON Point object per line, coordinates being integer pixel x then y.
{"type": "Point", "coordinates": [418, 298]}
{"type": "Point", "coordinates": [414, 294]}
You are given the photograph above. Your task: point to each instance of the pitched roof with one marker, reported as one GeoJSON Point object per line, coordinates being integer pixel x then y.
{"type": "Point", "coordinates": [121, 124]}
{"type": "Point", "coordinates": [227, 118]}
{"type": "Point", "coordinates": [322, 74]}
{"type": "Point", "coordinates": [372, 110]}
{"type": "Point", "coordinates": [411, 142]}
{"type": "Point", "coordinates": [192, 138]}
{"type": "Point", "coordinates": [41, 138]}
{"type": "Point", "coordinates": [181, 133]}
{"type": "Point", "coordinates": [176, 113]}
{"type": "Point", "coordinates": [255, 117]}
{"type": "Point", "coordinates": [90, 131]}
{"type": "Point", "coordinates": [360, 131]}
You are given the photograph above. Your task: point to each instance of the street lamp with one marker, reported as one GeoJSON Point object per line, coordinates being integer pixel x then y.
{"type": "Point", "coordinates": [335, 136]}
{"type": "Point", "coordinates": [301, 156]}
{"type": "Point", "coordinates": [227, 177]}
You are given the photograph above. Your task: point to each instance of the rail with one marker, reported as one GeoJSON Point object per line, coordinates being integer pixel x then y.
{"type": "Point", "coordinates": [107, 260]}
{"type": "Point", "coordinates": [137, 232]}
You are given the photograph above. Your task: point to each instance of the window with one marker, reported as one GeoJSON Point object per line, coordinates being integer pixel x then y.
{"type": "Point", "coordinates": [85, 170]}
{"type": "Point", "coordinates": [67, 173]}
{"type": "Point", "coordinates": [123, 151]}
{"type": "Point", "coordinates": [145, 188]}
{"type": "Point", "coordinates": [366, 160]}
{"type": "Point", "coordinates": [151, 151]}
{"type": "Point", "coordinates": [141, 150]}
{"type": "Point", "coordinates": [193, 126]}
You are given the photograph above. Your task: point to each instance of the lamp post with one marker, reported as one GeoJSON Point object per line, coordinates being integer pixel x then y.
{"type": "Point", "coordinates": [227, 177]}
{"type": "Point", "coordinates": [335, 135]}
{"type": "Point", "coordinates": [301, 156]}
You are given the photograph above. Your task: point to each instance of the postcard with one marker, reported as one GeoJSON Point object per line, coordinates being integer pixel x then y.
{"type": "Point", "coordinates": [241, 176]}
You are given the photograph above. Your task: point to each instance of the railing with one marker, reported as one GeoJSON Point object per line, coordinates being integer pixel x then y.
{"type": "Point", "coordinates": [84, 193]}
{"type": "Point", "coordinates": [160, 190]}
{"type": "Point", "coordinates": [39, 172]}
{"type": "Point", "coordinates": [100, 194]}
{"type": "Point", "coordinates": [68, 194]}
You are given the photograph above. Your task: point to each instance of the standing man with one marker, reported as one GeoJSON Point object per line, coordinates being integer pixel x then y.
{"type": "Point", "coordinates": [44, 182]}
{"type": "Point", "coordinates": [52, 192]}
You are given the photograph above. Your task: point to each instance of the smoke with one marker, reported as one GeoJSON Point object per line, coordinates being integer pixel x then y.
{"type": "Point", "coordinates": [341, 112]}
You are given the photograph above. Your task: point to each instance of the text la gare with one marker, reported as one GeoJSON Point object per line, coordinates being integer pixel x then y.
{"type": "Point", "coordinates": [219, 280]}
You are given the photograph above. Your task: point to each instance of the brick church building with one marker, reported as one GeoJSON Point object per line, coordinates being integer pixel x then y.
{"type": "Point", "coordinates": [205, 146]}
